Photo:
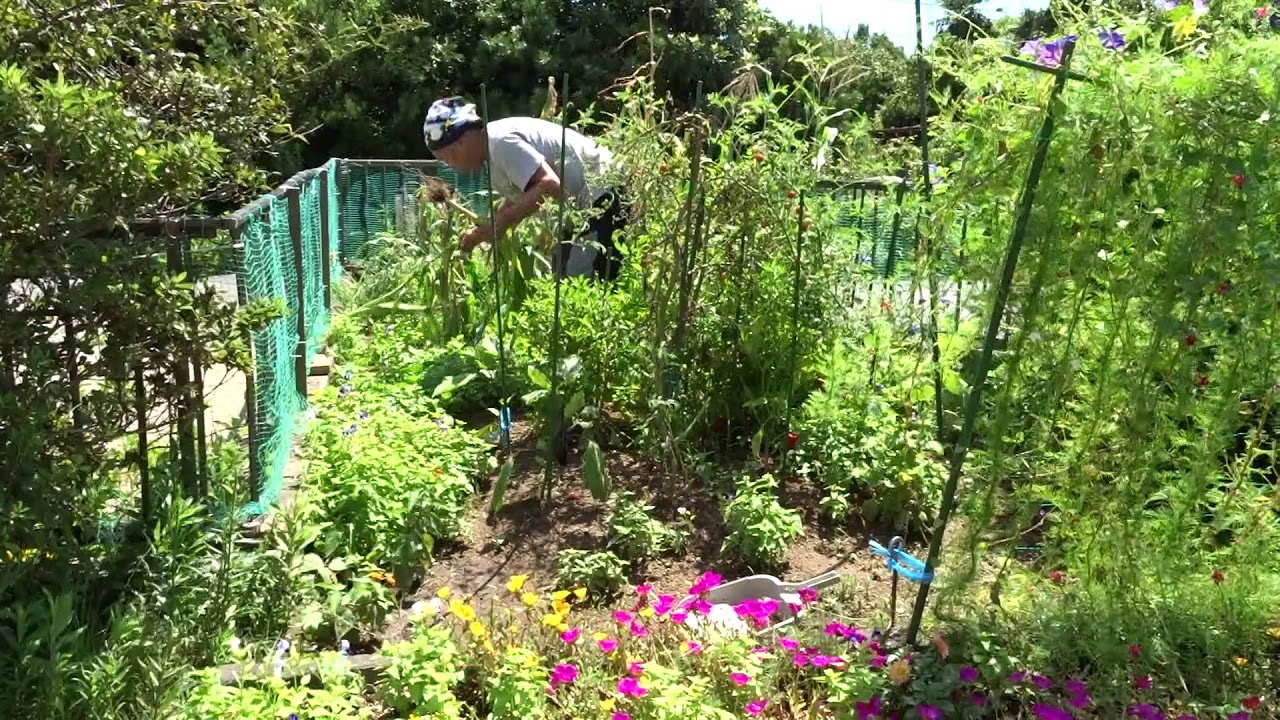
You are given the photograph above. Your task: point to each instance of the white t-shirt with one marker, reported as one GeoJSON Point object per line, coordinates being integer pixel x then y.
{"type": "Point", "coordinates": [519, 145]}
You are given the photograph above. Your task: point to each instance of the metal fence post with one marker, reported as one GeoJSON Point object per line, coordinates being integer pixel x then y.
{"type": "Point", "coordinates": [300, 360]}
{"type": "Point", "coordinates": [326, 232]}
{"type": "Point", "coordinates": [251, 372]}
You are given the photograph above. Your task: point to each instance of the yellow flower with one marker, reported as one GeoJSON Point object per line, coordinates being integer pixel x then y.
{"type": "Point", "coordinates": [1274, 632]}
{"type": "Point", "coordinates": [560, 595]}
{"type": "Point", "coordinates": [553, 620]}
{"type": "Point", "coordinates": [488, 645]}
{"type": "Point", "coordinates": [462, 610]}
{"type": "Point", "coordinates": [646, 612]}
{"type": "Point", "coordinates": [1242, 661]}
{"type": "Point", "coordinates": [899, 672]}
{"type": "Point", "coordinates": [530, 661]}
{"type": "Point", "coordinates": [516, 583]}
{"type": "Point", "coordinates": [443, 593]}
{"type": "Point", "coordinates": [580, 593]}
{"type": "Point", "coordinates": [599, 636]}
{"type": "Point", "coordinates": [1185, 27]}
{"type": "Point", "coordinates": [478, 630]}
{"type": "Point", "coordinates": [529, 599]}
{"type": "Point", "coordinates": [606, 705]}
{"type": "Point", "coordinates": [560, 606]}
{"type": "Point", "coordinates": [513, 630]}
{"type": "Point", "coordinates": [562, 627]}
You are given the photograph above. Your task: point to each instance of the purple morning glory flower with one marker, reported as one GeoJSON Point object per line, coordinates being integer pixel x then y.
{"type": "Point", "coordinates": [1032, 47]}
{"type": "Point", "coordinates": [968, 674]}
{"type": "Point", "coordinates": [1111, 39]}
{"type": "Point", "coordinates": [1166, 5]}
{"type": "Point", "coordinates": [1200, 6]}
{"type": "Point", "coordinates": [1051, 52]}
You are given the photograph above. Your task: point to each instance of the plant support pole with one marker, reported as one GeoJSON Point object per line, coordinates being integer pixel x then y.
{"type": "Point", "coordinates": [974, 401]}
{"type": "Point", "coordinates": [795, 323]}
{"type": "Point", "coordinates": [930, 265]}
{"type": "Point", "coordinates": [504, 412]}
{"type": "Point", "coordinates": [558, 436]}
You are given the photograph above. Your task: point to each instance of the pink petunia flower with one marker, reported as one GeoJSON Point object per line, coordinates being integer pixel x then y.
{"type": "Point", "coordinates": [740, 679]}
{"type": "Point", "coordinates": [755, 707]}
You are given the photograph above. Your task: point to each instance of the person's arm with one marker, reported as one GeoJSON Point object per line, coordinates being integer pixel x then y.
{"type": "Point", "coordinates": [544, 184]}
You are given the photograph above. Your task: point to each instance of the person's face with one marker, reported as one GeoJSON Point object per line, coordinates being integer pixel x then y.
{"type": "Point", "coordinates": [466, 154]}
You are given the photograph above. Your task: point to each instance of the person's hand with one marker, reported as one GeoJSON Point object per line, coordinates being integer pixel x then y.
{"type": "Point", "coordinates": [473, 237]}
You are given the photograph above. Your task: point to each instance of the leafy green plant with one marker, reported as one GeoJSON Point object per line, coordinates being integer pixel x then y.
{"type": "Point", "coordinates": [636, 535]}
{"type": "Point", "coordinates": [760, 528]}
{"type": "Point", "coordinates": [389, 477]}
{"type": "Point", "coordinates": [423, 673]}
{"type": "Point", "coordinates": [602, 573]}
{"type": "Point", "coordinates": [335, 693]}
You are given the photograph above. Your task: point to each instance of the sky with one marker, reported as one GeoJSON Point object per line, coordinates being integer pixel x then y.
{"type": "Point", "coordinates": [895, 18]}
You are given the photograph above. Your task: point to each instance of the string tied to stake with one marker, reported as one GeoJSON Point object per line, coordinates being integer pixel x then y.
{"type": "Point", "coordinates": [901, 562]}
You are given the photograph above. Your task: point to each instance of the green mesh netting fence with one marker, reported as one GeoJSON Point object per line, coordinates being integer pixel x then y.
{"type": "Point", "coordinates": [379, 196]}
{"type": "Point", "coordinates": [266, 273]}
{"type": "Point", "coordinates": [269, 271]}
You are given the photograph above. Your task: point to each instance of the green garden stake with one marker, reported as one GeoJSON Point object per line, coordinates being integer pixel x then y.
{"type": "Point", "coordinates": [504, 409]}
{"type": "Point", "coordinates": [557, 420]}
{"type": "Point", "coordinates": [964, 236]}
{"type": "Point", "coordinates": [922, 100]}
{"type": "Point", "coordinates": [795, 329]}
{"type": "Point", "coordinates": [974, 400]}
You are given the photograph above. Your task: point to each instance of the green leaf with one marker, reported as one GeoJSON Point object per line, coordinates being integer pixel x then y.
{"type": "Point", "coordinates": [594, 472]}
{"type": "Point", "coordinates": [500, 486]}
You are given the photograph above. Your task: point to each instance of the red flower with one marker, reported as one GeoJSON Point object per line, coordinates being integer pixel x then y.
{"type": "Point", "coordinates": [1238, 180]}
{"type": "Point", "coordinates": [1191, 340]}
{"type": "Point", "coordinates": [662, 168]}
{"type": "Point", "coordinates": [1218, 577]}
{"type": "Point", "coordinates": [1056, 577]}
{"type": "Point", "coordinates": [884, 305]}
{"type": "Point", "coordinates": [1135, 651]}
{"type": "Point", "coordinates": [1262, 12]}
{"type": "Point", "coordinates": [799, 209]}
{"type": "Point", "coordinates": [791, 194]}
{"type": "Point", "coordinates": [1252, 703]}
{"type": "Point", "coordinates": [792, 439]}
{"type": "Point", "coordinates": [1143, 682]}
{"type": "Point", "coordinates": [759, 156]}
{"type": "Point", "coordinates": [804, 225]}
{"type": "Point", "coordinates": [1203, 381]}
{"type": "Point", "coordinates": [1224, 287]}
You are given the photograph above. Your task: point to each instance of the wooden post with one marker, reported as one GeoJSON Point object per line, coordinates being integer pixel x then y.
{"type": "Point", "coordinates": [144, 459]}
{"type": "Point", "coordinates": [326, 232]}
{"type": "Point", "coordinates": [251, 372]}
{"type": "Point", "coordinates": [182, 377]}
{"type": "Point", "coordinates": [300, 360]}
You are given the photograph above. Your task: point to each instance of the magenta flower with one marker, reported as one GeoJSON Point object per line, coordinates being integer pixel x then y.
{"type": "Point", "coordinates": [693, 648]}
{"type": "Point", "coordinates": [630, 687]}
{"type": "Point", "coordinates": [878, 661]}
{"type": "Point", "coordinates": [1044, 711]}
{"type": "Point", "coordinates": [705, 583]}
{"type": "Point", "coordinates": [570, 636]}
{"type": "Point", "coordinates": [929, 712]}
{"type": "Point", "coordinates": [1146, 711]}
{"type": "Point", "coordinates": [620, 716]}
{"type": "Point", "coordinates": [608, 645]}
{"type": "Point", "coordinates": [755, 707]}
{"type": "Point", "coordinates": [788, 644]}
{"type": "Point", "coordinates": [664, 604]}
{"type": "Point", "coordinates": [563, 674]}
{"type": "Point", "coordinates": [1135, 651]}
{"type": "Point", "coordinates": [740, 679]}
{"type": "Point", "coordinates": [1143, 682]}
{"type": "Point", "coordinates": [968, 674]}
{"type": "Point", "coordinates": [637, 629]}
{"type": "Point", "coordinates": [622, 617]}
{"type": "Point", "coordinates": [679, 617]}
{"type": "Point", "coordinates": [635, 669]}
{"type": "Point", "coordinates": [644, 590]}
{"type": "Point", "coordinates": [979, 700]}
{"type": "Point", "coordinates": [1041, 682]}
{"type": "Point", "coordinates": [808, 596]}
{"type": "Point", "coordinates": [868, 710]}
{"type": "Point", "coordinates": [1017, 676]}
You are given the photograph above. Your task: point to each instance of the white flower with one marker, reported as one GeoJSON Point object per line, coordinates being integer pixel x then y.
{"type": "Point", "coordinates": [235, 644]}
{"type": "Point", "coordinates": [725, 620]}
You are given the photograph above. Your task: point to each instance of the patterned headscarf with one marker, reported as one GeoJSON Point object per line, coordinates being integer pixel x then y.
{"type": "Point", "coordinates": [447, 119]}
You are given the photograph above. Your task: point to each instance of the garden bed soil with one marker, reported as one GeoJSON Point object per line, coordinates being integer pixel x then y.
{"type": "Point", "coordinates": [525, 538]}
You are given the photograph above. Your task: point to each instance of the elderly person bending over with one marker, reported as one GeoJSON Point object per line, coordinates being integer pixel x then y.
{"type": "Point", "coordinates": [524, 158]}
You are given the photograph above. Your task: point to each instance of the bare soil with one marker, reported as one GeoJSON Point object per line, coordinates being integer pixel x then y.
{"type": "Point", "coordinates": [526, 536]}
